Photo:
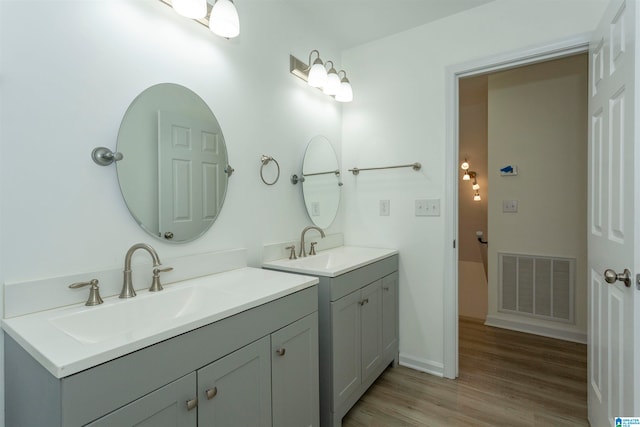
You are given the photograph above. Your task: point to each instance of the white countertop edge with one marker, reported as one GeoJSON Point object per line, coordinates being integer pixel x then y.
{"type": "Point", "coordinates": [73, 364]}
{"type": "Point", "coordinates": [285, 264]}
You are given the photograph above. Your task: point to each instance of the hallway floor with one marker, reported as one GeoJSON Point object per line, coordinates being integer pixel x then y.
{"type": "Point", "coordinates": [506, 378]}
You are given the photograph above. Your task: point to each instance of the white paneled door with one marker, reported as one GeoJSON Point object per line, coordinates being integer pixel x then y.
{"type": "Point", "coordinates": [613, 226]}
{"type": "Point", "coordinates": [190, 168]}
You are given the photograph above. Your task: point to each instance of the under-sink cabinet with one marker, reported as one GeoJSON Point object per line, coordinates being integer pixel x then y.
{"type": "Point", "coordinates": [358, 326]}
{"type": "Point", "coordinates": [256, 368]}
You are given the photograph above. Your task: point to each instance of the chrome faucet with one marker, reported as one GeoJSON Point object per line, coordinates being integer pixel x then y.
{"type": "Point", "coordinates": [303, 252]}
{"type": "Point", "coordinates": [127, 285]}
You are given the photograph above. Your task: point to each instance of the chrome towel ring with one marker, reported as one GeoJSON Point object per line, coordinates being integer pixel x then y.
{"type": "Point", "coordinates": [265, 161]}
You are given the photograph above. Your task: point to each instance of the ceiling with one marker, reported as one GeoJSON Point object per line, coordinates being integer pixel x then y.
{"type": "Point", "coordinates": [355, 22]}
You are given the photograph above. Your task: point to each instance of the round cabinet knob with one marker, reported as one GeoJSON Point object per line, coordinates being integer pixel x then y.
{"type": "Point", "coordinates": [168, 235]}
{"type": "Point", "coordinates": [281, 351]}
{"type": "Point", "coordinates": [611, 277]}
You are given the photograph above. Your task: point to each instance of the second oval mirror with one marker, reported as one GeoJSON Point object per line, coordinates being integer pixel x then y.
{"type": "Point", "coordinates": [172, 176]}
{"type": "Point", "coordinates": [321, 185]}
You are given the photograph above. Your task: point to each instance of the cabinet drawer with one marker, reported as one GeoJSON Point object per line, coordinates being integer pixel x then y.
{"type": "Point", "coordinates": [356, 279]}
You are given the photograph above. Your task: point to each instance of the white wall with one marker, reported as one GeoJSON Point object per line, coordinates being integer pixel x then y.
{"type": "Point", "coordinates": [69, 71]}
{"type": "Point", "coordinates": [538, 121]}
{"type": "Point", "coordinates": [398, 116]}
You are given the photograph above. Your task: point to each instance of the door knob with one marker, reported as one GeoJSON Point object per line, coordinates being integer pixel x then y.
{"type": "Point", "coordinates": [611, 276]}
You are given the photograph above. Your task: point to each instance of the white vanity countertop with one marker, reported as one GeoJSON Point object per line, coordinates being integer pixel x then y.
{"type": "Point", "coordinates": [70, 339]}
{"type": "Point", "coordinates": [332, 262]}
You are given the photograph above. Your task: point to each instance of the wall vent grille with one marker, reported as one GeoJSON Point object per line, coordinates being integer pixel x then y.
{"type": "Point", "coordinates": [537, 286]}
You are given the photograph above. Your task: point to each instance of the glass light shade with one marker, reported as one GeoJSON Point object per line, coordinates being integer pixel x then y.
{"type": "Point", "coordinates": [194, 9]}
{"type": "Point", "coordinates": [345, 93]}
{"type": "Point", "coordinates": [224, 19]}
{"type": "Point", "coordinates": [466, 177]}
{"type": "Point", "coordinates": [464, 165]}
{"type": "Point", "coordinates": [475, 186]}
{"type": "Point", "coordinates": [317, 74]}
{"type": "Point", "coordinates": [332, 86]}
{"type": "Point", "coordinates": [476, 197]}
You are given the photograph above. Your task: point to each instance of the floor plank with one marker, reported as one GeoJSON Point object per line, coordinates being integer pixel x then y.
{"type": "Point", "coordinates": [506, 378]}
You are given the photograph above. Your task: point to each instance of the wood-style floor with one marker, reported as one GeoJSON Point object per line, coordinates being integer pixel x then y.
{"type": "Point", "coordinates": [506, 378]}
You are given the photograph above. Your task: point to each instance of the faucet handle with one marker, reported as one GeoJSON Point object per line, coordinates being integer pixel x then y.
{"type": "Point", "coordinates": [94, 292]}
{"type": "Point", "coordinates": [312, 250]}
{"type": "Point", "coordinates": [292, 254]}
{"type": "Point", "coordinates": [155, 283]}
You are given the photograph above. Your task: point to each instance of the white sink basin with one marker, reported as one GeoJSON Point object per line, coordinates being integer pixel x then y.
{"type": "Point", "coordinates": [332, 262]}
{"type": "Point", "coordinates": [73, 338]}
{"type": "Point", "coordinates": [143, 314]}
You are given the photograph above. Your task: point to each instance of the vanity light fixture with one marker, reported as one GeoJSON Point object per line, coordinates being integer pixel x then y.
{"type": "Point", "coordinates": [224, 20]}
{"type": "Point", "coordinates": [332, 85]}
{"type": "Point", "coordinates": [221, 17]}
{"type": "Point", "coordinates": [477, 197]}
{"type": "Point", "coordinates": [466, 176]}
{"type": "Point", "coordinates": [316, 75]}
{"type": "Point", "coordinates": [194, 9]}
{"type": "Point", "coordinates": [465, 165]}
{"type": "Point", "coordinates": [345, 93]}
{"type": "Point", "coordinates": [475, 185]}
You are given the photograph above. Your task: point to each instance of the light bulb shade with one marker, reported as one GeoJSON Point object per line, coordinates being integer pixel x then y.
{"type": "Point", "coordinates": [194, 9]}
{"type": "Point", "coordinates": [332, 86]}
{"type": "Point", "coordinates": [476, 197]}
{"type": "Point", "coordinates": [224, 20]}
{"type": "Point", "coordinates": [466, 177]}
{"type": "Point", "coordinates": [464, 165]}
{"type": "Point", "coordinates": [345, 93]}
{"type": "Point", "coordinates": [475, 186]}
{"type": "Point", "coordinates": [317, 74]}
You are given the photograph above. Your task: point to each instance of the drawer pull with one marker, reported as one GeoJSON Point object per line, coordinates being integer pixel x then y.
{"type": "Point", "coordinates": [386, 288]}
{"type": "Point", "coordinates": [192, 404]}
{"type": "Point", "coordinates": [211, 392]}
{"type": "Point", "coordinates": [364, 301]}
{"type": "Point", "coordinates": [281, 351]}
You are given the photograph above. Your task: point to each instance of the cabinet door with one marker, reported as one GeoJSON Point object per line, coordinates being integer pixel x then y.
{"type": "Point", "coordinates": [389, 314]}
{"type": "Point", "coordinates": [165, 407]}
{"type": "Point", "coordinates": [345, 336]}
{"type": "Point", "coordinates": [236, 390]}
{"type": "Point", "coordinates": [294, 374]}
{"type": "Point", "coordinates": [371, 327]}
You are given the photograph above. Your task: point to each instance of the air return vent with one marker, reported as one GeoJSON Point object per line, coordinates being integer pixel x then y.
{"type": "Point", "coordinates": [537, 286]}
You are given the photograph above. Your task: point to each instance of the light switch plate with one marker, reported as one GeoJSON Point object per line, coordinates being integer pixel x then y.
{"type": "Point", "coordinates": [384, 207]}
{"type": "Point", "coordinates": [510, 206]}
{"type": "Point", "coordinates": [427, 207]}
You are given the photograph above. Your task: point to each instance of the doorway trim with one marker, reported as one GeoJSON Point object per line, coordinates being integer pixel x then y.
{"type": "Point", "coordinates": [526, 56]}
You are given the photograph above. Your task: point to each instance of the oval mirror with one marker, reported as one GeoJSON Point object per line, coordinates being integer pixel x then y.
{"type": "Point", "coordinates": [321, 185]}
{"type": "Point", "coordinates": [172, 175]}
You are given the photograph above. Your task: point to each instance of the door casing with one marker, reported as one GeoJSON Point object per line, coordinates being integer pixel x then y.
{"type": "Point", "coordinates": [505, 61]}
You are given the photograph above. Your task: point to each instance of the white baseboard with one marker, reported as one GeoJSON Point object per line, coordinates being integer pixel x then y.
{"type": "Point", "coordinates": [423, 365]}
{"type": "Point", "coordinates": [545, 331]}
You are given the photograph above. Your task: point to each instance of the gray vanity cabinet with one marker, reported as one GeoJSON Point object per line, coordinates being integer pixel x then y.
{"type": "Point", "coordinates": [162, 408]}
{"type": "Point", "coordinates": [294, 374]}
{"type": "Point", "coordinates": [390, 316]}
{"type": "Point", "coordinates": [345, 339]}
{"type": "Point", "coordinates": [358, 318]}
{"type": "Point", "coordinates": [236, 390]}
{"type": "Point", "coordinates": [371, 328]}
{"type": "Point", "coordinates": [233, 368]}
